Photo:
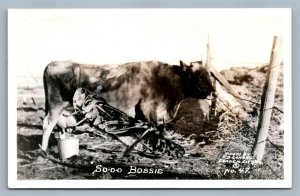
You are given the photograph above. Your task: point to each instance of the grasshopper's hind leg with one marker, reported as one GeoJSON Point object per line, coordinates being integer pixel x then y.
{"type": "Point", "coordinates": [129, 148]}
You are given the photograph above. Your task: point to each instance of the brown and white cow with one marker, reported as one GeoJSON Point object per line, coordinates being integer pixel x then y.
{"type": "Point", "coordinates": [148, 90]}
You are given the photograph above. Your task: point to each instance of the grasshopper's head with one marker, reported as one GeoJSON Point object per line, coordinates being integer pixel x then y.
{"type": "Point", "coordinates": [79, 97]}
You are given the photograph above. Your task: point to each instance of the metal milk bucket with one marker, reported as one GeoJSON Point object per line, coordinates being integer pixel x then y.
{"type": "Point", "coordinates": [68, 147]}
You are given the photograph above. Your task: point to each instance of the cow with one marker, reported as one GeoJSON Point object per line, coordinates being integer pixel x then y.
{"type": "Point", "coordinates": [148, 90]}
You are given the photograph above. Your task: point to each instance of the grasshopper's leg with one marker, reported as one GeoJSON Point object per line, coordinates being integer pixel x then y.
{"type": "Point", "coordinates": [129, 148]}
{"type": "Point", "coordinates": [102, 110]}
{"type": "Point", "coordinates": [84, 119]}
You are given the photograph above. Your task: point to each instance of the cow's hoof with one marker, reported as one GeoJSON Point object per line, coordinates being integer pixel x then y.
{"type": "Point", "coordinates": [42, 152]}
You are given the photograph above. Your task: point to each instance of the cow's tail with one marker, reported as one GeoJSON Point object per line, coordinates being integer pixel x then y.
{"type": "Point", "coordinates": [46, 90]}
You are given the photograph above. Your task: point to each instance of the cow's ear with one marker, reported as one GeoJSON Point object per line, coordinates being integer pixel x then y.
{"type": "Point", "coordinates": [183, 65]}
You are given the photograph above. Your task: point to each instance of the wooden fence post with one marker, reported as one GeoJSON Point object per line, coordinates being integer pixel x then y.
{"type": "Point", "coordinates": [212, 111]}
{"type": "Point", "coordinates": [267, 100]}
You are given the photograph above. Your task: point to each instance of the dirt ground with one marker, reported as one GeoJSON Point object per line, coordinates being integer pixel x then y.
{"type": "Point", "coordinates": [211, 146]}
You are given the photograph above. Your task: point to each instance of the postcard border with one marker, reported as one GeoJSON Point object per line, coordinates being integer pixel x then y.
{"type": "Point", "coordinates": [286, 183]}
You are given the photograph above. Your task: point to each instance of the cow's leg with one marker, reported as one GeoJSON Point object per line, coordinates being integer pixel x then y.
{"type": "Point", "coordinates": [49, 123]}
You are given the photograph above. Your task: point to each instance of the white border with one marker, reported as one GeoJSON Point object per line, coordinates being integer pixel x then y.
{"type": "Point", "coordinates": [149, 184]}
{"type": "Point", "coordinates": [286, 183]}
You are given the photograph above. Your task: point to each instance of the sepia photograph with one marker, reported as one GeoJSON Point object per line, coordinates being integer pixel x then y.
{"type": "Point", "coordinates": [149, 98]}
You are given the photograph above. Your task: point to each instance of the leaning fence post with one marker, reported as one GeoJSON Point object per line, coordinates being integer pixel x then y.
{"type": "Point", "coordinates": [267, 100]}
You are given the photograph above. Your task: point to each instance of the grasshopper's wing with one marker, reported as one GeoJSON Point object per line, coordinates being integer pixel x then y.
{"type": "Point", "coordinates": [116, 114]}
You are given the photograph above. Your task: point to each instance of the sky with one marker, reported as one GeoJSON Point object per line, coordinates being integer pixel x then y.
{"type": "Point", "coordinates": [238, 37]}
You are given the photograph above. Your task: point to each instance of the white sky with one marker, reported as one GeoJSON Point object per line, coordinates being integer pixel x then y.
{"type": "Point", "coordinates": [102, 36]}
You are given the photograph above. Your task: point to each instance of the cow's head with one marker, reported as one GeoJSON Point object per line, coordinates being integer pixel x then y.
{"type": "Point", "coordinates": [195, 80]}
